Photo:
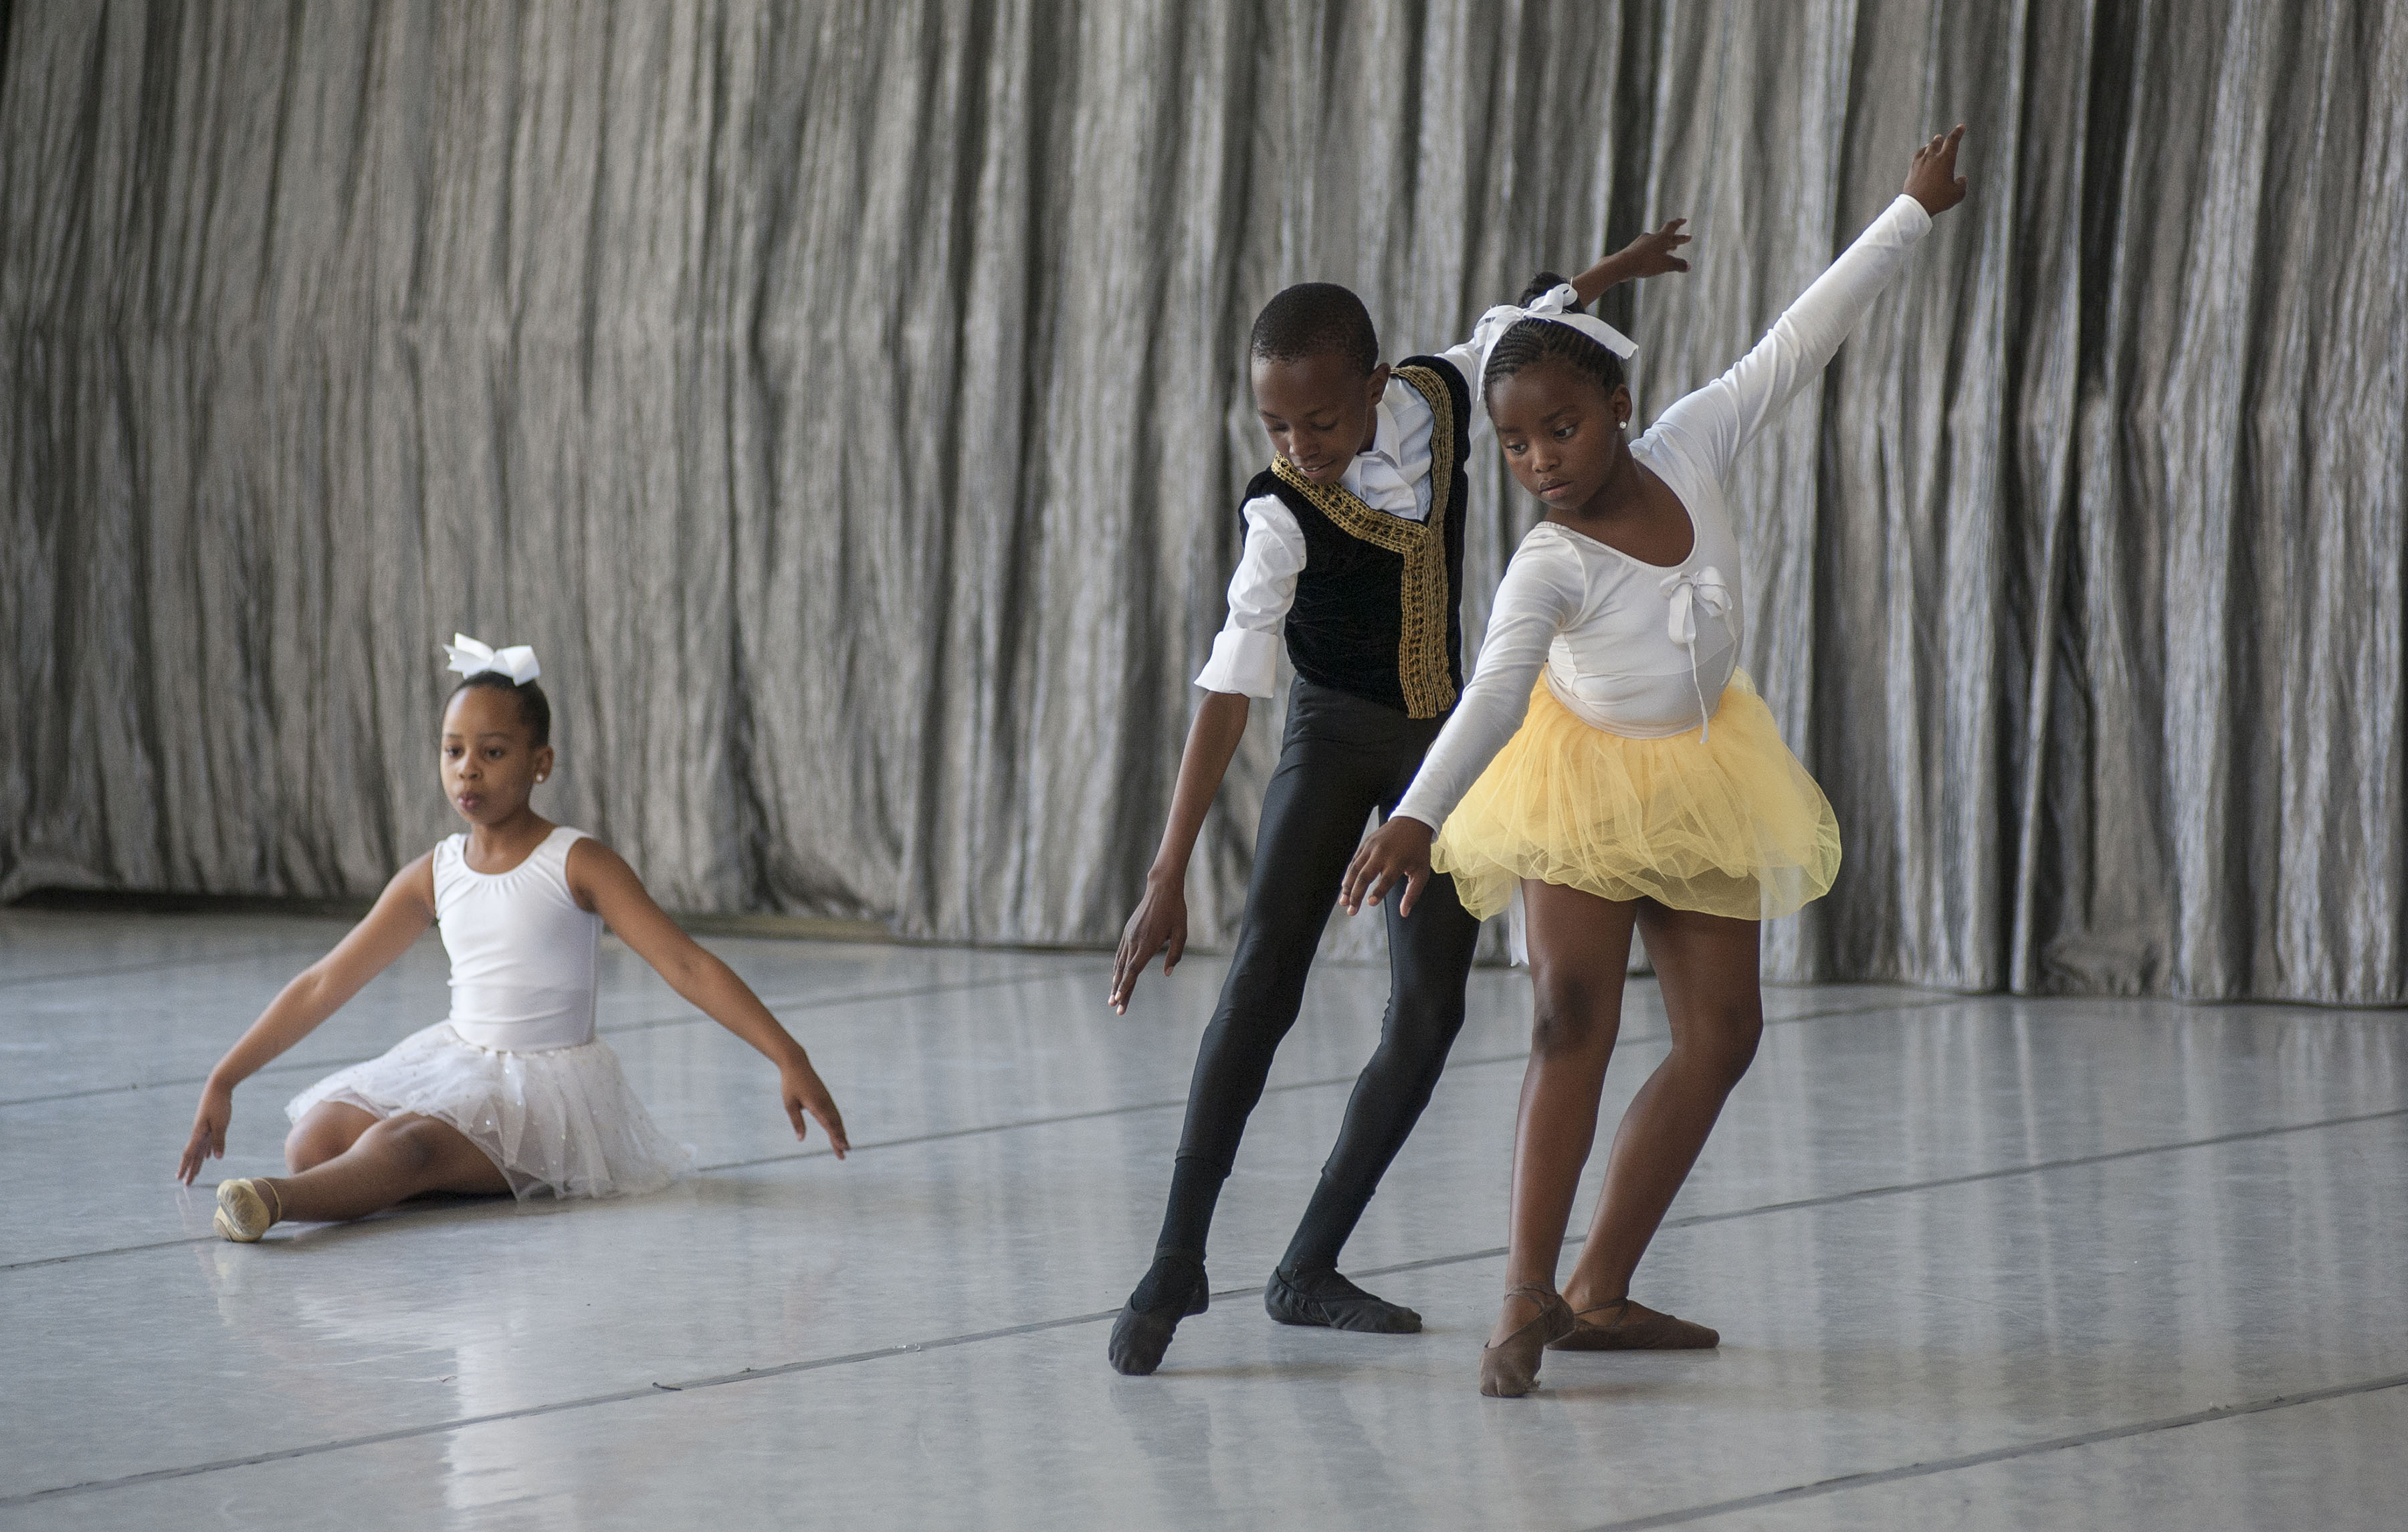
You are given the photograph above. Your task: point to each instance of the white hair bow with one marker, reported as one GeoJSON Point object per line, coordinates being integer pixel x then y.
{"type": "Point", "coordinates": [1689, 592]}
{"type": "Point", "coordinates": [1554, 306]}
{"type": "Point", "coordinates": [471, 658]}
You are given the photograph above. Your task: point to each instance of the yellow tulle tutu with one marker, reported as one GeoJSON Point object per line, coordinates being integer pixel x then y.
{"type": "Point", "coordinates": [1729, 825]}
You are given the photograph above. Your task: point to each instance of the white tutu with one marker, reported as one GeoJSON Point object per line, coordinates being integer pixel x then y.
{"type": "Point", "coordinates": [561, 1120]}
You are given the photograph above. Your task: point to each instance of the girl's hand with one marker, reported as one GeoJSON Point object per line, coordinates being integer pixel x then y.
{"type": "Point", "coordinates": [1159, 922]}
{"type": "Point", "coordinates": [1398, 853]}
{"type": "Point", "coordinates": [800, 1087]}
{"type": "Point", "coordinates": [208, 1131]}
{"type": "Point", "coordinates": [1651, 254]}
{"type": "Point", "coordinates": [1931, 180]}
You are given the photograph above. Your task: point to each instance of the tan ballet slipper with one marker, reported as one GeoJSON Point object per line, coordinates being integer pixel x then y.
{"type": "Point", "coordinates": [243, 1212]}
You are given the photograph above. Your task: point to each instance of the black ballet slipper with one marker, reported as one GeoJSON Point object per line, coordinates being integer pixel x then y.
{"type": "Point", "coordinates": [1173, 1289]}
{"type": "Point", "coordinates": [1325, 1298]}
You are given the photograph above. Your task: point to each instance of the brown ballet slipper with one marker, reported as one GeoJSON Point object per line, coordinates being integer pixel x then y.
{"type": "Point", "coordinates": [243, 1212]}
{"type": "Point", "coordinates": [1510, 1368]}
{"type": "Point", "coordinates": [1635, 1328]}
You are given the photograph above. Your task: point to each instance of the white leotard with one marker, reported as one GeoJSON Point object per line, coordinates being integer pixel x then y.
{"type": "Point", "coordinates": [523, 952]}
{"type": "Point", "coordinates": [1608, 629]}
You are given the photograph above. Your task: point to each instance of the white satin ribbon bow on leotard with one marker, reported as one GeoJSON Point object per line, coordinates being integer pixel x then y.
{"type": "Point", "coordinates": [1688, 593]}
{"type": "Point", "coordinates": [1556, 306]}
{"type": "Point", "coordinates": [471, 658]}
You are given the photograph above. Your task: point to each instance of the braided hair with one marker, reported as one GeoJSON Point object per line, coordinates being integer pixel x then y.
{"type": "Point", "coordinates": [1531, 341]}
{"type": "Point", "coordinates": [535, 708]}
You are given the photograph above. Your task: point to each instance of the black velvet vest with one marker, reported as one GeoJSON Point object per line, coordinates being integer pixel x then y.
{"type": "Point", "coordinates": [1378, 605]}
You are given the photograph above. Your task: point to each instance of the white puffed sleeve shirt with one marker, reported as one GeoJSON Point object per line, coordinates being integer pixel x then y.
{"type": "Point", "coordinates": [1393, 476]}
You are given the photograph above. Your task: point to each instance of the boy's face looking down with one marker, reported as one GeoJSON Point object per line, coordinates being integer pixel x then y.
{"type": "Point", "coordinates": [1319, 411]}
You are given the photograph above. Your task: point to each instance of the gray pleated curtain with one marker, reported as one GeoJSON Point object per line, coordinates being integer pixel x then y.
{"type": "Point", "coordinates": [847, 401]}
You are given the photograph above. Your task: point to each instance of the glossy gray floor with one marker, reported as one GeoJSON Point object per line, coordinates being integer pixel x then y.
{"type": "Point", "coordinates": [1979, 1264]}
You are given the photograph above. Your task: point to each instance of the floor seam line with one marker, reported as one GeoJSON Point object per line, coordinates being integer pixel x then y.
{"type": "Point", "coordinates": [652, 1390]}
{"type": "Point", "coordinates": [1034, 1327]}
{"type": "Point", "coordinates": [649, 1024]}
{"type": "Point", "coordinates": [1874, 1478]}
{"type": "Point", "coordinates": [1324, 1083]}
{"type": "Point", "coordinates": [688, 1018]}
{"type": "Point", "coordinates": [1692, 1221]}
{"type": "Point", "coordinates": [163, 966]}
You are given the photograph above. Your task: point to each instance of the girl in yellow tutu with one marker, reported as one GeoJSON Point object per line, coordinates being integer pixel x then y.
{"type": "Point", "coordinates": [1610, 762]}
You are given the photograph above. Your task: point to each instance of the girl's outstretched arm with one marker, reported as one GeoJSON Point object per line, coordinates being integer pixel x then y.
{"type": "Point", "coordinates": [402, 914]}
{"type": "Point", "coordinates": [603, 882]}
{"type": "Point", "coordinates": [1717, 422]}
{"type": "Point", "coordinates": [1542, 594]}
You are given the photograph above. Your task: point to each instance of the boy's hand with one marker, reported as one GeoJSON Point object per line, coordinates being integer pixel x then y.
{"type": "Point", "coordinates": [1398, 853]}
{"type": "Point", "coordinates": [802, 1090]}
{"type": "Point", "coordinates": [209, 1132]}
{"type": "Point", "coordinates": [1159, 920]}
{"type": "Point", "coordinates": [1931, 180]}
{"type": "Point", "coordinates": [1651, 254]}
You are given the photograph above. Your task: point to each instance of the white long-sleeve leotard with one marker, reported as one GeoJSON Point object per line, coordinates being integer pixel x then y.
{"type": "Point", "coordinates": [1606, 627]}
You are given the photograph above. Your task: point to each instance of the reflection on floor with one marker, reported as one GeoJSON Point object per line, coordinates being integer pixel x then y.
{"type": "Point", "coordinates": [1978, 1263]}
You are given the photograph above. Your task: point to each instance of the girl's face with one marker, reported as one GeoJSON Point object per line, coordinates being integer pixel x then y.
{"type": "Point", "coordinates": [490, 763]}
{"type": "Point", "coordinates": [1561, 434]}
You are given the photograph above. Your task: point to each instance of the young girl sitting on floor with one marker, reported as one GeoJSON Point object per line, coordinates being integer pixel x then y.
{"type": "Point", "coordinates": [1646, 785]}
{"type": "Point", "coordinates": [513, 1092]}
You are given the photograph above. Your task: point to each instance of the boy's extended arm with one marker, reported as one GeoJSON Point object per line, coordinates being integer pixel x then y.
{"type": "Point", "coordinates": [1160, 920]}
{"type": "Point", "coordinates": [1649, 255]}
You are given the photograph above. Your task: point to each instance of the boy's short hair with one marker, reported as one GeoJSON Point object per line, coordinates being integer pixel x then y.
{"type": "Point", "coordinates": [1314, 318]}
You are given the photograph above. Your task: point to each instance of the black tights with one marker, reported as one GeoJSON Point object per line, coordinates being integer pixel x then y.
{"type": "Point", "coordinates": [1341, 758]}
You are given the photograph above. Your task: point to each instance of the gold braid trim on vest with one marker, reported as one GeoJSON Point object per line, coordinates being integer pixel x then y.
{"type": "Point", "coordinates": [1421, 667]}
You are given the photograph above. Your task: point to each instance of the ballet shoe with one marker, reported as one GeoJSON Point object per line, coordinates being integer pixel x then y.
{"type": "Point", "coordinates": [1510, 1368]}
{"type": "Point", "coordinates": [1635, 1328]}
{"type": "Point", "coordinates": [1171, 1291]}
{"type": "Point", "coordinates": [242, 1214]}
{"type": "Point", "coordinates": [1325, 1298]}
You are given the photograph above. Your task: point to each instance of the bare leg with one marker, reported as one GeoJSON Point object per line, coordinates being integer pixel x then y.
{"type": "Point", "coordinates": [324, 1131]}
{"type": "Point", "coordinates": [350, 1164]}
{"type": "Point", "coordinates": [1579, 953]}
{"type": "Point", "coordinates": [1707, 968]}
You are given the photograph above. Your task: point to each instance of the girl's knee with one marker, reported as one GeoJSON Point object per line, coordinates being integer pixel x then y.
{"type": "Point", "coordinates": [1569, 1012]}
{"type": "Point", "coordinates": [306, 1149]}
{"type": "Point", "coordinates": [315, 1139]}
{"type": "Point", "coordinates": [1723, 1048]}
{"type": "Point", "coordinates": [411, 1143]}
